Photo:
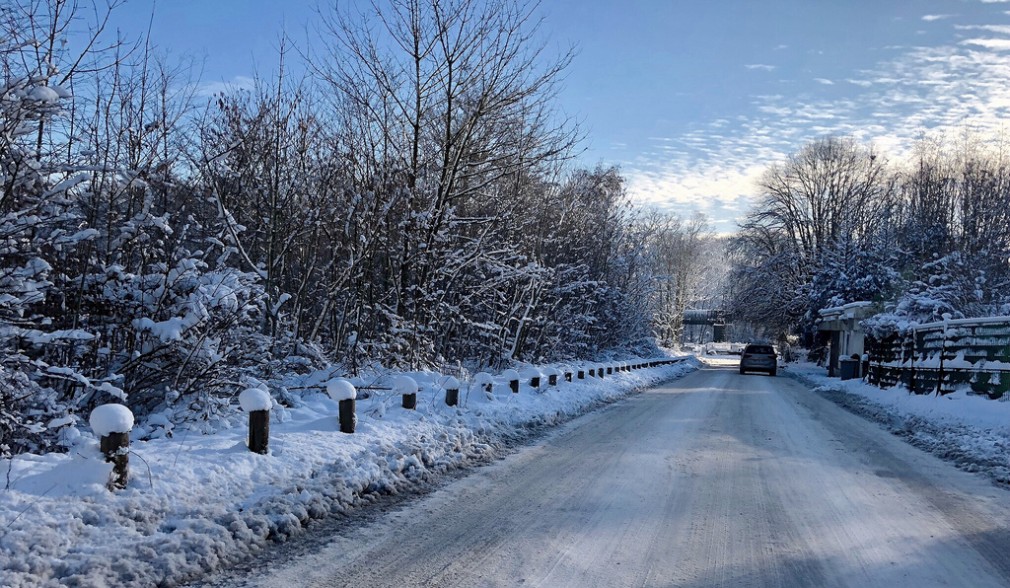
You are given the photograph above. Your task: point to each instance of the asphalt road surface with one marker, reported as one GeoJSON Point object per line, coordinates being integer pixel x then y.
{"type": "Point", "coordinates": [716, 479]}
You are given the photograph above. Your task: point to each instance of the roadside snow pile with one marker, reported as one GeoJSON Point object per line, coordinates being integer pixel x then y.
{"type": "Point", "coordinates": [969, 430]}
{"type": "Point", "coordinates": [196, 503]}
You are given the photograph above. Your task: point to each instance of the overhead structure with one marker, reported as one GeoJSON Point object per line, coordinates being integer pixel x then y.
{"type": "Point", "coordinates": [716, 318]}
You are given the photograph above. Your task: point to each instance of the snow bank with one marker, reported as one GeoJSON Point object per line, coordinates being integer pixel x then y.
{"type": "Point", "coordinates": [199, 502]}
{"type": "Point", "coordinates": [969, 430]}
{"type": "Point", "coordinates": [111, 418]}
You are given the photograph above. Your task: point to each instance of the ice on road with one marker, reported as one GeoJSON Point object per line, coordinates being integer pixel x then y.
{"type": "Point", "coordinates": [716, 479]}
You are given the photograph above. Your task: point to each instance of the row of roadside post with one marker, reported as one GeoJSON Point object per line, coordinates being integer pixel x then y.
{"type": "Point", "coordinates": [114, 430]}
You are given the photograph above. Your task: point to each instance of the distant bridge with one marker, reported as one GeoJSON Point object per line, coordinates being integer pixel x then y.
{"type": "Point", "coordinates": [717, 318]}
{"type": "Point", "coordinates": [706, 317]}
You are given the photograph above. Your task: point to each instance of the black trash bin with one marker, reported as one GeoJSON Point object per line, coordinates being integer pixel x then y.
{"type": "Point", "coordinates": [849, 369]}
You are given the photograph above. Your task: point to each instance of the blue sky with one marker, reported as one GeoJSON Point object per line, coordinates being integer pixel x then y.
{"type": "Point", "coordinates": [693, 98]}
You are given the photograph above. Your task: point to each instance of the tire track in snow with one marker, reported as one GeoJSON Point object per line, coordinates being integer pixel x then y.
{"type": "Point", "coordinates": [715, 479]}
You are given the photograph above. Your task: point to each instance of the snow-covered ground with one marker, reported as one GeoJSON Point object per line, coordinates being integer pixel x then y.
{"type": "Point", "coordinates": [196, 502]}
{"type": "Point", "coordinates": [971, 431]}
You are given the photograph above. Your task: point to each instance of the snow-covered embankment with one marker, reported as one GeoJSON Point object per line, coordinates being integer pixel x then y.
{"type": "Point", "coordinates": [199, 502]}
{"type": "Point", "coordinates": [970, 430]}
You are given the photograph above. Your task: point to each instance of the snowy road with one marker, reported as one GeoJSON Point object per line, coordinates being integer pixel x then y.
{"type": "Point", "coordinates": [714, 480]}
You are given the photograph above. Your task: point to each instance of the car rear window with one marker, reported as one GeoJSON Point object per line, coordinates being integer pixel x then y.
{"type": "Point", "coordinates": [762, 349]}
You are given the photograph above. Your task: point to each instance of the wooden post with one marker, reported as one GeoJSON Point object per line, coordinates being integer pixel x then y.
{"type": "Point", "coordinates": [568, 376]}
{"type": "Point", "coordinates": [452, 397]}
{"type": "Point", "coordinates": [484, 381]}
{"type": "Point", "coordinates": [592, 372]}
{"type": "Point", "coordinates": [552, 380]}
{"type": "Point", "coordinates": [345, 394]}
{"type": "Point", "coordinates": [259, 431]}
{"type": "Point", "coordinates": [582, 374]}
{"type": "Point", "coordinates": [347, 417]}
{"type": "Point", "coordinates": [116, 449]}
{"type": "Point", "coordinates": [535, 381]}
{"type": "Point", "coordinates": [610, 370]}
{"type": "Point", "coordinates": [112, 424]}
{"type": "Point", "coordinates": [407, 388]}
{"type": "Point", "coordinates": [514, 384]}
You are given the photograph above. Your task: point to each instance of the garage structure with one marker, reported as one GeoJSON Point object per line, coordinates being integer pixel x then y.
{"type": "Point", "coordinates": [841, 326]}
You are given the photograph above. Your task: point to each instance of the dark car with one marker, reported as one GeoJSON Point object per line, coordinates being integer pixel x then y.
{"type": "Point", "coordinates": [759, 358]}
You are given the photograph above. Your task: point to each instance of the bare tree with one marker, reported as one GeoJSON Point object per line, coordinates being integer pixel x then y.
{"type": "Point", "coordinates": [452, 108]}
{"type": "Point", "coordinates": [834, 198]}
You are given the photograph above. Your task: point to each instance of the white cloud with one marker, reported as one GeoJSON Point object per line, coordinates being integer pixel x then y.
{"type": "Point", "coordinates": [912, 92]}
{"type": "Point", "coordinates": [722, 194]}
{"type": "Point", "coordinates": [934, 17]}
{"type": "Point", "coordinates": [760, 66]}
{"type": "Point", "coordinates": [999, 29]}
{"type": "Point", "coordinates": [994, 44]}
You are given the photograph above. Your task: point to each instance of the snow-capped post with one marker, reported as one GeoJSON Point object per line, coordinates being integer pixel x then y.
{"type": "Point", "coordinates": [599, 371]}
{"type": "Point", "coordinates": [552, 376]}
{"type": "Point", "coordinates": [484, 381]}
{"type": "Point", "coordinates": [610, 370]}
{"type": "Point", "coordinates": [112, 424]}
{"type": "Point", "coordinates": [568, 375]}
{"type": "Point", "coordinates": [406, 387]}
{"type": "Point", "coordinates": [582, 374]}
{"type": "Point", "coordinates": [345, 394]}
{"type": "Point", "coordinates": [257, 404]}
{"type": "Point", "coordinates": [592, 373]}
{"type": "Point", "coordinates": [513, 379]}
{"type": "Point", "coordinates": [534, 376]}
{"type": "Point", "coordinates": [451, 386]}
